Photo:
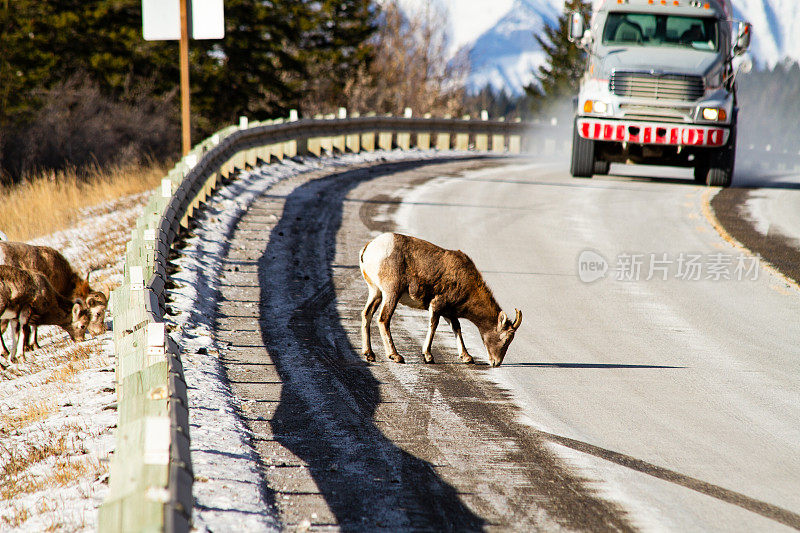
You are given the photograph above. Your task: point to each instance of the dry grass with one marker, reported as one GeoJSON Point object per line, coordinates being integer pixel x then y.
{"type": "Point", "coordinates": [25, 416]}
{"type": "Point", "coordinates": [17, 517]}
{"type": "Point", "coordinates": [44, 204]}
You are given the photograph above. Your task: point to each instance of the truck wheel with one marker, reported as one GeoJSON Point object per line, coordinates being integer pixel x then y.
{"type": "Point", "coordinates": [721, 172]}
{"type": "Point", "coordinates": [582, 164]}
{"type": "Point", "coordinates": [718, 177]}
{"type": "Point", "coordinates": [601, 167]}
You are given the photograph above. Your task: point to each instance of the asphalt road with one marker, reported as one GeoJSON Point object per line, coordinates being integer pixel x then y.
{"type": "Point", "coordinates": [631, 401]}
{"type": "Point", "coordinates": [679, 395]}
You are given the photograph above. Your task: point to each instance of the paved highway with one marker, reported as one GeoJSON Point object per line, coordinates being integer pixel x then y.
{"type": "Point", "coordinates": [679, 395]}
{"type": "Point", "coordinates": [653, 384]}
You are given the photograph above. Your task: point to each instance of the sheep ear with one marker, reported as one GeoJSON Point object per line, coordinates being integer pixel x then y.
{"type": "Point", "coordinates": [76, 311]}
{"type": "Point", "coordinates": [502, 319]}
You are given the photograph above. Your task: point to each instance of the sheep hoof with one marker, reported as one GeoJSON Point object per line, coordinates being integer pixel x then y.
{"type": "Point", "coordinates": [369, 356]}
{"type": "Point", "coordinates": [427, 357]}
{"type": "Point", "coordinates": [397, 358]}
{"type": "Point", "coordinates": [467, 358]}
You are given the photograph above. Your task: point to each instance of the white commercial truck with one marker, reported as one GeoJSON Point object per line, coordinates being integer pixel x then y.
{"type": "Point", "coordinates": [659, 87]}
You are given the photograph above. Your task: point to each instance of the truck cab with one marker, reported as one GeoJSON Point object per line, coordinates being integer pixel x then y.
{"type": "Point", "coordinates": [659, 87]}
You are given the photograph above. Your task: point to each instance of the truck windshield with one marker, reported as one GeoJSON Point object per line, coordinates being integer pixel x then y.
{"type": "Point", "coordinates": [643, 29]}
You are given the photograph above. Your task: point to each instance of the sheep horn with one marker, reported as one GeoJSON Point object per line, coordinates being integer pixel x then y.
{"type": "Point", "coordinates": [517, 320]}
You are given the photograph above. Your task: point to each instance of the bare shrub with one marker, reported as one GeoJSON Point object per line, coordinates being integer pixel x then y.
{"type": "Point", "coordinates": [79, 127]}
{"type": "Point", "coordinates": [410, 69]}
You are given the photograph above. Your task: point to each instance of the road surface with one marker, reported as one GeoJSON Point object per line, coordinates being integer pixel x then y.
{"type": "Point", "coordinates": [644, 399]}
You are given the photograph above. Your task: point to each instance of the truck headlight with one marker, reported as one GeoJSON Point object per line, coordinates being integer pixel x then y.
{"type": "Point", "coordinates": [595, 106]}
{"type": "Point", "coordinates": [714, 114]}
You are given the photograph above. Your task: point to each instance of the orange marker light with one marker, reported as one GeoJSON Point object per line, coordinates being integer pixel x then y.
{"type": "Point", "coordinates": [587, 106]}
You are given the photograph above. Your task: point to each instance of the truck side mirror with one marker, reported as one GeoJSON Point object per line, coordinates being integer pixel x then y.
{"type": "Point", "coordinates": [743, 38]}
{"type": "Point", "coordinates": [576, 27]}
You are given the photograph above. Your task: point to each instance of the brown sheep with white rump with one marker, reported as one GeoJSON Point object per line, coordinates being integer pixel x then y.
{"type": "Point", "coordinates": [403, 269]}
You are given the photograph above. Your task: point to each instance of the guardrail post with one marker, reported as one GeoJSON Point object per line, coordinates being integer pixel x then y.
{"type": "Point", "coordinates": [353, 140]}
{"type": "Point", "coordinates": [339, 142]}
{"type": "Point", "coordinates": [482, 139]}
{"type": "Point", "coordinates": [499, 141]}
{"type": "Point", "coordinates": [515, 142]}
{"type": "Point", "coordinates": [404, 137]}
{"type": "Point", "coordinates": [385, 139]}
{"type": "Point", "coordinates": [443, 138]}
{"type": "Point", "coordinates": [424, 138]}
{"type": "Point", "coordinates": [462, 139]}
{"type": "Point", "coordinates": [368, 138]}
{"type": "Point", "coordinates": [291, 148]}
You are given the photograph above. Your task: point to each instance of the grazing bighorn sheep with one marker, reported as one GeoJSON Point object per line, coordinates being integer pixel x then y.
{"type": "Point", "coordinates": [32, 301]}
{"type": "Point", "coordinates": [63, 278]}
{"type": "Point", "coordinates": [403, 269]}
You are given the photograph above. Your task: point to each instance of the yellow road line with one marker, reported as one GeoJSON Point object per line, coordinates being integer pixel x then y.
{"type": "Point", "coordinates": [712, 219]}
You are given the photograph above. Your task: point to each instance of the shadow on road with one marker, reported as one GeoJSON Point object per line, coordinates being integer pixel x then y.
{"type": "Point", "coordinates": [329, 396]}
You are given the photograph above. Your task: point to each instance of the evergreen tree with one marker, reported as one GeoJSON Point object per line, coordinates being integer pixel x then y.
{"type": "Point", "coordinates": [559, 77]}
{"type": "Point", "coordinates": [43, 43]}
{"type": "Point", "coordinates": [257, 69]}
{"type": "Point", "coordinates": [335, 47]}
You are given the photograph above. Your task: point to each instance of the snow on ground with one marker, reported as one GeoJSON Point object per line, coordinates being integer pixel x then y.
{"type": "Point", "coordinates": [57, 409]}
{"type": "Point", "coordinates": [228, 483]}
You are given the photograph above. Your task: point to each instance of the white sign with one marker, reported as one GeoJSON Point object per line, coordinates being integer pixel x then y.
{"type": "Point", "coordinates": [161, 19]}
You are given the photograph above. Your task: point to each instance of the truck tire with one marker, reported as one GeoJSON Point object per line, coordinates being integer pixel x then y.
{"type": "Point", "coordinates": [722, 162]}
{"type": "Point", "coordinates": [582, 164]}
{"type": "Point", "coordinates": [601, 167]}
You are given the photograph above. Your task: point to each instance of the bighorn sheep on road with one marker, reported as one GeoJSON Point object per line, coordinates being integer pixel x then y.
{"type": "Point", "coordinates": [28, 298]}
{"type": "Point", "coordinates": [63, 278]}
{"type": "Point", "coordinates": [403, 269]}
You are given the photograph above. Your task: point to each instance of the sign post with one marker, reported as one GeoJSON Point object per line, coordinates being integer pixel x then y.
{"type": "Point", "coordinates": [180, 20]}
{"type": "Point", "coordinates": [186, 123]}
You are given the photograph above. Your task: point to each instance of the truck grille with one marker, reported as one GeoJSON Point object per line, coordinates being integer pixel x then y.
{"type": "Point", "coordinates": [657, 86]}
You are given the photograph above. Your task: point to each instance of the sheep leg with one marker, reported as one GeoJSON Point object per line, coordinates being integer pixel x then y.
{"type": "Point", "coordinates": [373, 301]}
{"type": "Point", "coordinates": [21, 337]}
{"type": "Point", "coordinates": [32, 333]}
{"type": "Point", "coordinates": [3, 327]}
{"type": "Point", "coordinates": [462, 349]}
{"type": "Point", "coordinates": [13, 357]}
{"type": "Point", "coordinates": [387, 310]}
{"type": "Point", "coordinates": [433, 323]}
{"type": "Point", "coordinates": [22, 342]}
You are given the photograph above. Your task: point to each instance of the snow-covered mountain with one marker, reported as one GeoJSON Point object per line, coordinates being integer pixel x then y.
{"type": "Point", "coordinates": [498, 35]}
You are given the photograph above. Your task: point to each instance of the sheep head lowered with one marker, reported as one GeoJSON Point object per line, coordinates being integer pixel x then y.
{"type": "Point", "coordinates": [64, 279]}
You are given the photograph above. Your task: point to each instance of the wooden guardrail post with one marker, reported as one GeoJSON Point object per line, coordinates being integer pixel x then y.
{"type": "Point", "coordinates": [404, 137]}
{"type": "Point", "coordinates": [368, 138]}
{"type": "Point", "coordinates": [443, 138]}
{"type": "Point", "coordinates": [482, 139]}
{"type": "Point", "coordinates": [353, 140]}
{"type": "Point", "coordinates": [385, 139]}
{"type": "Point", "coordinates": [462, 139]}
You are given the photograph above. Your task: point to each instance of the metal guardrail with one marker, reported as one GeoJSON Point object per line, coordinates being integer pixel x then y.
{"type": "Point", "coordinates": [151, 471]}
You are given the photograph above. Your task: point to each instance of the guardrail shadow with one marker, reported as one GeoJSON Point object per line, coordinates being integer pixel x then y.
{"type": "Point", "coordinates": [329, 397]}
